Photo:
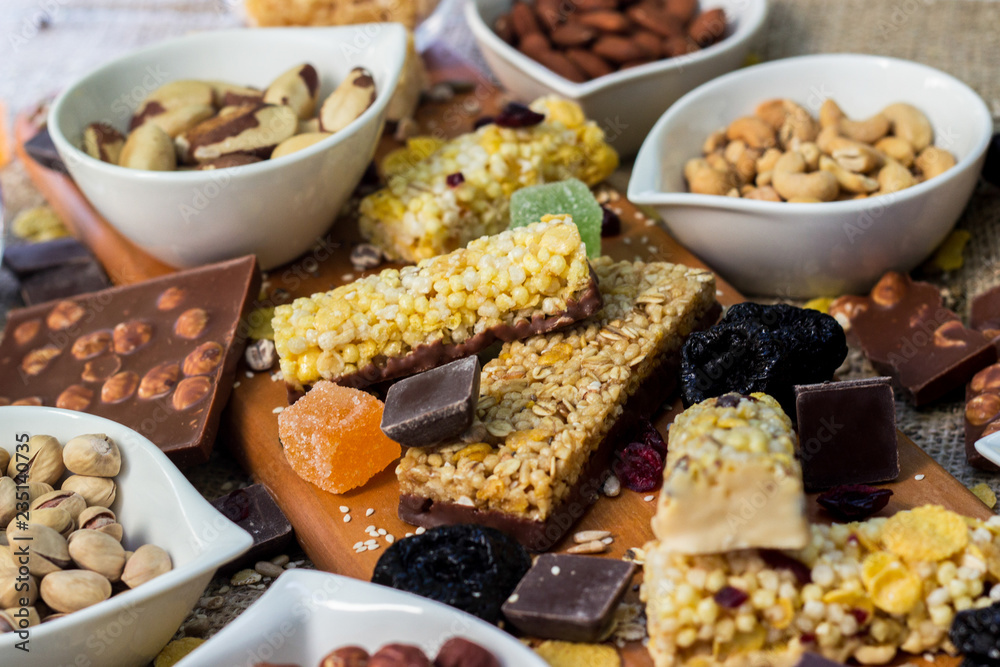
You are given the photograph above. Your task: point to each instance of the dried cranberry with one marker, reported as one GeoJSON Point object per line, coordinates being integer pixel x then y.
{"type": "Point", "coordinates": [781, 561]}
{"type": "Point", "coordinates": [649, 436]}
{"type": "Point", "coordinates": [639, 467]}
{"type": "Point", "coordinates": [730, 597]}
{"type": "Point", "coordinates": [455, 180]}
{"type": "Point", "coordinates": [853, 502]}
{"type": "Point", "coordinates": [860, 615]}
{"type": "Point", "coordinates": [807, 638]}
{"type": "Point", "coordinates": [482, 121]}
{"type": "Point", "coordinates": [727, 401]}
{"type": "Point", "coordinates": [611, 224]}
{"type": "Point", "coordinates": [516, 115]}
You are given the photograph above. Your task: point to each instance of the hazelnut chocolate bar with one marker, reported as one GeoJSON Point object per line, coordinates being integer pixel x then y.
{"type": "Point", "coordinates": [861, 590]}
{"type": "Point", "coordinates": [548, 407]}
{"type": "Point", "coordinates": [399, 322]}
{"type": "Point", "coordinates": [982, 414]}
{"type": "Point", "coordinates": [731, 479]}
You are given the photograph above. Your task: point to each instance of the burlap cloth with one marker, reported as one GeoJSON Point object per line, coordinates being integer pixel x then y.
{"type": "Point", "coordinates": [48, 43]}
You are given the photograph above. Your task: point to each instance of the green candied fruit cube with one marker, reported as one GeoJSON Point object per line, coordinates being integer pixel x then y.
{"type": "Point", "coordinates": [570, 197]}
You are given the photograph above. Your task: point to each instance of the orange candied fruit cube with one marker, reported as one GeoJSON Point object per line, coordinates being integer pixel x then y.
{"type": "Point", "coordinates": [332, 437]}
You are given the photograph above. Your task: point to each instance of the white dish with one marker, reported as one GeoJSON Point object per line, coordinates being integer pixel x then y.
{"type": "Point", "coordinates": [627, 103]}
{"type": "Point", "coordinates": [156, 505]}
{"type": "Point", "coordinates": [989, 447]}
{"type": "Point", "coordinates": [807, 250]}
{"type": "Point", "coordinates": [275, 209]}
{"type": "Point", "coordinates": [305, 614]}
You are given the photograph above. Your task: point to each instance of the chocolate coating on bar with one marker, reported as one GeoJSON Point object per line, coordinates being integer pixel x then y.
{"type": "Point", "coordinates": [426, 408]}
{"type": "Point", "coordinates": [847, 433]}
{"type": "Point", "coordinates": [816, 660]}
{"type": "Point", "coordinates": [107, 342]}
{"type": "Point", "coordinates": [254, 510]}
{"type": "Point", "coordinates": [982, 414]}
{"type": "Point", "coordinates": [907, 333]}
{"type": "Point", "coordinates": [567, 597]}
{"type": "Point", "coordinates": [985, 315]}
{"type": "Point", "coordinates": [426, 357]}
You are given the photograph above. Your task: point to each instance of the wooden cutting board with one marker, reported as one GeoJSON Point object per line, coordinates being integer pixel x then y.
{"type": "Point", "coordinates": [329, 526]}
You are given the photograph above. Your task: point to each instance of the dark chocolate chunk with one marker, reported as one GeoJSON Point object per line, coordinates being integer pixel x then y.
{"type": "Point", "coordinates": [26, 258]}
{"type": "Point", "coordinates": [982, 414]}
{"type": "Point", "coordinates": [847, 433]}
{"type": "Point", "coordinates": [63, 282]}
{"type": "Point", "coordinates": [254, 510]}
{"type": "Point", "coordinates": [816, 660]}
{"type": "Point", "coordinates": [42, 150]}
{"type": "Point", "coordinates": [985, 314]}
{"type": "Point", "coordinates": [569, 597]}
{"type": "Point", "coordinates": [429, 407]}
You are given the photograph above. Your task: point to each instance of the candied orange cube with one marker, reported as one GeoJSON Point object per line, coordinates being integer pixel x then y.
{"type": "Point", "coordinates": [332, 437]}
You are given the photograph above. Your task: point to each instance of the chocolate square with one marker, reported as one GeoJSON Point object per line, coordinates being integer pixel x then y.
{"type": "Point", "coordinates": [569, 597]}
{"type": "Point", "coordinates": [429, 407]}
{"type": "Point", "coordinates": [847, 433]}
{"type": "Point", "coordinates": [255, 511]}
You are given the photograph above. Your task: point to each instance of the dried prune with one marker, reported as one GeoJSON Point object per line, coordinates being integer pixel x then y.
{"type": "Point", "coordinates": [516, 115]}
{"type": "Point", "coordinates": [853, 502]}
{"type": "Point", "coordinates": [762, 348]}
{"type": "Point", "coordinates": [976, 634]}
{"type": "Point", "coordinates": [611, 224]}
{"type": "Point", "coordinates": [470, 567]}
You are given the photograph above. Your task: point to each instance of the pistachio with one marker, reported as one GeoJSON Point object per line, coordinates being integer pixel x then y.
{"type": "Point", "coordinates": [14, 590]}
{"type": "Point", "coordinates": [8, 501]}
{"type": "Point", "coordinates": [149, 148]}
{"type": "Point", "coordinates": [103, 142]}
{"type": "Point", "coordinates": [72, 590]}
{"type": "Point", "coordinates": [37, 490]}
{"type": "Point", "coordinates": [250, 129]}
{"type": "Point", "coordinates": [47, 553]}
{"type": "Point", "coordinates": [29, 614]}
{"type": "Point", "coordinates": [52, 617]}
{"type": "Point", "coordinates": [350, 99]}
{"type": "Point", "coordinates": [42, 462]}
{"type": "Point", "coordinates": [95, 551]}
{"type": "Point", "coordinates": [148, 561]}
{"type": "Point", "coordinates": [100, 519]}
{"type": "Point", "coordinates": [93, 454]}
{"type": "Point", "coordinates": [55, 518]}
{"type": "Point", "coordinates": [4, 459]}
{"type": "Point", "coordinates": [95, 490]}
{"type": "Point", "coordinates": [70, 501]}
{"type": "Point", "coordinates": [7, 622]}
{"type": "Point", "coordinates": [297, 88]}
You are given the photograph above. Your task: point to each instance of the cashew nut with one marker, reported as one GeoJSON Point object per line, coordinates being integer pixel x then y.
{"type": "Point", "coordinates": [704, 179]}
{"type": "Point", "coordinates": [799, 126]}
{"type": "Point", "coordinates": [772, 112]}
{"type": "Point", "coordinates": [854, 156]}
{"type": "Point", "coordinates": [934, 161]}
{"type": "Point", "coordinates": [718, 161]}
{"type": "Point", "coordinates": [742, 159]}
{"type": "Point", "coordinates": [811, 153]}
{"type": "Point", "coordinates": [894, 177]}
{"type": "Point", "coordinates": [830, 114]}
{"type": "Point", "coordinates": [755, 132]}
{"type": "Point", "coordinates": [909, 123]}
{"type": "Point", "coordinates": [826, 137]}
{"type": "Point", "coordinates": [767, 161]}
{"type": "Point", "coordinates": [853, 183]}
{"type": "Point", "coordinates": [868, 131]}
{"type": "Point", "coordinates": [792, 183]}
{"type": "Point", "coordinates": [765, 193]}
{"type": "Point", "coordinates": [805, 200]}
{"type": "Point", "coordinates": [898, 149]}
{"type": "Point", "coordinates": [764, 178]}
{"type": "Point", "coordinates": [734, 151]}
{"type": "Point", "coordinates": [714, 142]}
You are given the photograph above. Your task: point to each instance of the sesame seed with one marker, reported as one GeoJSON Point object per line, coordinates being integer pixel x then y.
{"type": "Point", "coordinates": [372, 547]}
{"type": "Point", "coordinates": [278, 410]}
{"type": "Point", "coordinates": [648, 498]}
{"type": "Point", "coordinates": [249, 374]}
{"type": "Point", "coordinates": [408, 535]}
{"type": "Point", "coordinates": [369, 512]}
{"type": "Point", "coordinates": [608, 540]}
{"type": "Point", "coordinates": [344, 509]}
{"type": "Point", "coordinates": [513, 598]}
{"type": "Point", "coordinates": [347, 277]}
{"type": "Point", "coordinates": [382, 531]}
{"type": "Point", "coordinates": [347, 518]}
{"type": "Point", "coordinates": [358, 545]}
{"type": "Point", "coordinates": [369, 529]}
{"type": "Point", "coordinates": [420, 530]}
{"type": "Point", "coordinates": [918, 477]}
{"type": "Point", "coordinates": [236, 384]}
{"type": "Point", "coordinates": [556, 570]}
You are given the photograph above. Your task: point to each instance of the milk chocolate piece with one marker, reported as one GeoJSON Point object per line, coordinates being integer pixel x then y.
{"type": "Point", "coordinates": [568, 597]}
{"type": "Point", "coordinates": [114, 344]}
{"type": "Point", "coordinates": [907, 333]}
{"type": "Point", "coordinates": [42, 150]}
{"type": "Point", "coordinates": [427, 408]}
{"type": "Point", "coordinates": [254, 510]}
{"type": "Point", "coordinates": [982, 414]}
{"type": "Point", "coordinates": [847, 433]}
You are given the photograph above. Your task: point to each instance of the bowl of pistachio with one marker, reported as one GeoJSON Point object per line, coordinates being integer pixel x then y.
{"type": "Point", "coordinates": [106, 546]}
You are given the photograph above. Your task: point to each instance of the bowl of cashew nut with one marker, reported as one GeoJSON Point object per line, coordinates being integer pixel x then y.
{"type": "Point", "coordinates": [814, 175]}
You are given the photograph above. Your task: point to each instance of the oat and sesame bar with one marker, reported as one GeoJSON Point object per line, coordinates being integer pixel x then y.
{"type": "Point", "coordinates": [437, 202]}
{"type": "Point", "coordinates": [867, 591]}
{"type": "Point", "coordinates": [731, 480]}
{"type": "Point", "coordinates": [401, 321]}
{"type": "Point", "coordinates": [547, 404]}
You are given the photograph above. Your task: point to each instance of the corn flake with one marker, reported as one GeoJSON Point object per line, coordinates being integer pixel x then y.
{"type": "Point", "coordinates": [928, 533]}
{"type": "Point", "coordinates": [176, 650]}
{"type": "Point", "coordinates": [568, 654]}
{"type": "Point", "coordinates": [986, 494]}
{"type": "Point", "coordinates": [850, 600]}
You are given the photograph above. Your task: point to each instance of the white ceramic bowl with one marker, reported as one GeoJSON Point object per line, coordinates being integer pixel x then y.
{"type": "Point", "coordinates": [807, 250]}
{"type": "Point", "coordinates": [625, 104]}
{"type": "Point", "coordinates": [276, 208]}
{"type": "Point", "coordinates": [156, 505]}
{"type": "Point", "coordinates": [305, 614]}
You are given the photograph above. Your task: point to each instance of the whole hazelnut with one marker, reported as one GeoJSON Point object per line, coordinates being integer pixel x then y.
{"type": "Point", "coordinates": [64, 315]}
{"type": "Point", "coordinates": [399, 655]}
{"type": "Point", "coordinates": [346, 656]}
{"type": "Point", "coordinates": [130, 336]}
{"type": "Point", "coordinates": [458, 652]}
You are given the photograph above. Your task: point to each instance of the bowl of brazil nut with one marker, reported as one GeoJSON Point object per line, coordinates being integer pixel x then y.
{"type": "Point", "coordinates": [222, 144]}
{"type": "Point", "coordinates": [624, 62]}
{"type": "Point", "coordinates": [813, 176]}
{"type": "Point", "coordinates": [107, 546]}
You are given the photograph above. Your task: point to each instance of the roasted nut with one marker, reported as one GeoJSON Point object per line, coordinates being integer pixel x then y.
{"type": "Point", "coordinates": [31, 400]}
{"type": "Point", "coordinates": [250, 129]}
{"type": "Point", "coordinates": [37, 489]}
{"type": "Point", "coordinates": [793, 184]}
{"type": "Point", "coordinates": [28, 614]}
{"type": "Point", "coordinates": [203, 359]}
{"type": "Point", "coordinates": [27, 330]}
{"type": "Point", "coordinates": [889, 290]}
{"type": "Point", "coordinates": [348, 101]}
{"type": "Point", "coordinates": [950, 334]}
{"type": "Point", "coordinates": [73, 590]}
{"type": "Point", "coordinates": [753, 131]}
{"type": "Point", "coordinates": [703, 178]}
{"type": "Point", "coordinates": [934, 161]}
{"type": "Point", "coordinates": [182, 119]}
{"type": "Point", "coordinates": [894, 177]}
{"type": "Point", "coordinates": [191, 391]}
{"type": "Point", "coordinates": [13, 589]}
{"type": "Point", "coordinates": [399, 655]}
{"type": "Point", "coordinates": [346, 656]}
{"type": "Point", "coordinates": [762, 193]}
{"type": "Point", "coordinates": [159, 381]}
{"type": "Point", "coordinates": [225, 94]}
{"type": "Point", "coordinates": [172, 95]}
{"type": "Point", "coordinates": [848, 180]}
{"type": "Point", "coordinates": [70, 501]}
{"type": "Point", "coordinates": [170, 298]}
{"type": "Point", "coordinates": [41, 461]}
{"type": "Point", "coordinates": [297, 88]}
{"type": "Point", "coordinates": [92, 454]}
{"type": "Point", "coordinates": [47, 551]}
{"type": "Point", "coordinates": [101, 368]}
{"type": "Point", "coordinates": [103, 142]}
{"type": "Point", "coordinates": [227, 161]}
{"type": "Point", "coordinates": [898, 149]}
{"type": "Point", "coordinates": [148, 562]}
{"type": "Point", "coordinates": [4, 460]}
{"type": "Point", "coordinates": [98, 552]}
{"type": "Point", "coordinates": [75, 397]}
{"type": "Point", "coordinates": [119, 387]}
{"type": "Point", "coordinates": [150, 148]}
{"type": "Point", "coordinates": [130, 336]}
{"type": "Point", "coordinates": [982, 409]}
{"type": "Point", "coordinates": [95, 490]}
{"type": "Point", "coordinates": [102, 520]}
{"type": "Point", "coordinates": [64, 315]}
{"type": "Point", "coordinates": [708, 27]}
{"type": "Point", "coordinates": [55, 518]}
{"type": "Point", "coordinates": [92, 344]}
{"type": "Point", "coordinates": [298, 142]}
{"type": "Point", "coordinates": [986, 379]}
{"type": "Point", "coordinates": [36, 361]}
{"type": "Point", "coordinates": [260, 355]}
{"type": "Point", "coordinates": [910, 124]}
{"type": "Point", "coordinates": [366, 256]}
{"type": "Point", "coordinates": [191, 323]}
{"type": "Point", "coordinates": [459, 652]}
{"type": "Point", "coordinates": [8, 501]}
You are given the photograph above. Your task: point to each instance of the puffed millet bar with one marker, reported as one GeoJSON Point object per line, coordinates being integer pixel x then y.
{"type": "Point", "coordinates": [402, 321]}
{"type": "Point", "coordinates": [731, 479]}
{"type": "Point", "coordinates": [420, 215]}
{"type": "Point", "coordinates": [861, 599]}
{"type": "Point", "coordinates": [337, 12]}
{"type": "Point", "coordinates": [546, 403]}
